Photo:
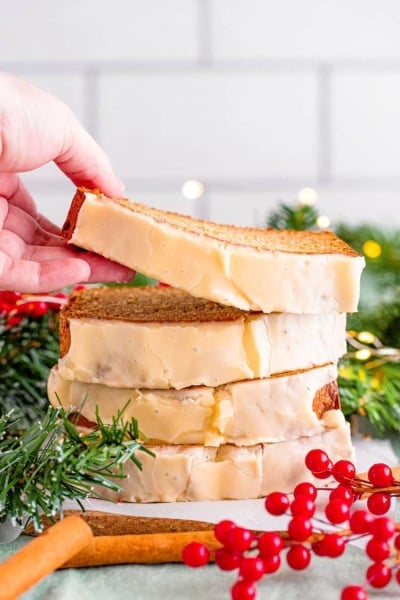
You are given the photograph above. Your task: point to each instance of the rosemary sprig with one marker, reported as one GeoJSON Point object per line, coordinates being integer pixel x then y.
{"type": "Point", "coordinates": [51, 461]}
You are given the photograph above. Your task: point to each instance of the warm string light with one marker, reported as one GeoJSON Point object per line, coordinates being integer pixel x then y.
{"type": "Point", "coordinates": [192, 189]}
{"type": "Point", "coordinates": [372, 249]}
{"type": "Point", "coordinates": [367, 346]}
{"type": "Point", "coordinates": [323, 222]}
{"type": "Point", "coordinates": [307, 196]}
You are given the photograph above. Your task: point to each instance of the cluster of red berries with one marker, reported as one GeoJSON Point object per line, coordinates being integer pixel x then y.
{"type": "Point", "coordinates": [14, 306]}
{"type": "Point", "coordinates": [254, 555]}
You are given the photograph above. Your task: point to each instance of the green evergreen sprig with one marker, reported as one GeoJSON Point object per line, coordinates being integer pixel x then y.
{"type": "Point", "coordinates": [380, 281]}
{"type": "Point", "coordinates": [28, 350]}
{"type": "Point", "coordinates": [51, 461]}
{"type": "Point", "coordinates": [372, 392]}
{"type": "Point", "coordinates": [298, 217]}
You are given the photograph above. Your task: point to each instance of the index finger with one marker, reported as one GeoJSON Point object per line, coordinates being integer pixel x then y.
{"type": "Point", "coordinates": [37, 128]}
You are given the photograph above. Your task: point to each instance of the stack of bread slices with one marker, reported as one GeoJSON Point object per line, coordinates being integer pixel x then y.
{"type": "Point", "coordinates": [230, 370]}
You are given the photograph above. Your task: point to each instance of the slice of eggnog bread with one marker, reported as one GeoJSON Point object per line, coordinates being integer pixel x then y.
{"type": "Point", "coordinates": [274, 409]}
{"type": "Point", "coordinates": [194, 472]}
{"type": "Point", "coordinates": [161, 337]}
{"type": "Point", "coordinates": [263, 270]}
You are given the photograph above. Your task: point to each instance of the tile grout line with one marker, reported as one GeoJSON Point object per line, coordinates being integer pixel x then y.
{"type": "Point", "coordinates": [91, 100]}
{"type": "Point", "coordinates": [251, 186]}
{"type": "Point", "coordinates": [205, 59]}
{"type": "Point", "coordinates": [324, 124]}
{"type": "Point", "coordinates": [204, 33]}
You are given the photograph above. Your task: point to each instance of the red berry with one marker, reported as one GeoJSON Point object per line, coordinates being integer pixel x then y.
{"type": "Point", "coordinates": [305, 489]}
{"type": "Point", "coordinates": [239, 539]}
{"type": "Point", "coordinates": [227, 560]}
{"type": "Point", "coordinates": [270, 544]}
{"type": "Point", "coordinates": [39, 309]}
{"type": "Point", "coordinates": [337, 511]}
{"type": "Point", "coordinates": [222, 529]}
{"type": "Point", "coordinates": [379, 503]}
{"type": "Point", "coordinates": [26, 308]}
{"type": "Point", "coordinates": [196, 554]}
{"type": "Point", "coordinates": [316, 548]}
{"type": "Point", "coordinates": [378, 575]}
{"type": "Point", "coordinates": [298, 557]}
{"type": "Point", "coordinates": [324, 474]}
{"type": "Point", "coordinates": [377, 550]}
{"type": "Point", "coordinates": [243, 590]}
{"type": "Point", "coordinates": [5, 308]}
{"type": "Point", "coordinates": [342, 492]}
{"type": "Point", "coordinates": [380, 475]}
{"type": "Point", "coordinates": [302, 506]}
{"type": "Point", "coordinates": [272, 563]}
{"type": "Point", "coordinates": [276, 503]}
{"type": "Point", "coordinates": [300, 528]}
{"type": "Point", "coordinates": [317, 461]}
{"type": "Point", "coordinates": [10, 297]}
{"type": "Point", "coordinates": [383, 528]}
{"type": "Point", "coordinates": [252, 568]}
{"type": "Point", "coordinates": [332, 545]}
{"type": "Point", "coordinates": [13, 321]}
{"type": "Point", "coordinates": [354, 592]}
{"type": "Point", "coordinates": [343, 471]}
{"type": "Point", "coordinates": [360, 521]}
{"type": "Point", "coordinates": [397, 542]}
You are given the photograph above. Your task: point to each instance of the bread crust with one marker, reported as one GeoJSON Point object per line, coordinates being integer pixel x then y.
{"type": "Point", "coordinates": [260, 239]}
{"type": "Point", "coordinates": [144, 304]}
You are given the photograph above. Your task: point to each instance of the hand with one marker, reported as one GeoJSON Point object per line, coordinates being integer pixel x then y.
{"type": "Point", "coordinates": [36, 128]}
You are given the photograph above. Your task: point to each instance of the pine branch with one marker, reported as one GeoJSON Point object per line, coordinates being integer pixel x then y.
{"type": "Point", "coordinates": [371, 388]}
{"type": "Point", "coordinates": [51, 461]}
{"type": "Point", "coordinates": [299, 217]}
{"type": "Point", "coordinates": [28, 349]}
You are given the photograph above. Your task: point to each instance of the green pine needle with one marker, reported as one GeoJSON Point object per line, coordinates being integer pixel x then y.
{"type": "Point", "coordinates": [28, 350]}
{"type": "Point", "coordinates": [298, 217]}
{"type": "Point", "coordinates": [371, 392]}
{"type": "Point", "coordinates": [51, 461]}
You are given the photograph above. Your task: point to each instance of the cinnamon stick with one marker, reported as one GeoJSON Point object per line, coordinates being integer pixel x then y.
{"type": "Point", "coordinates": [103, 523]}
{"type": "Point", "coordinates": [148, 548]}
{"type": "Point", "coordinates": [42, 556]}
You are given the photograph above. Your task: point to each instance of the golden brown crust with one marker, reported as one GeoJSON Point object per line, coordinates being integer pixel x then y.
{"type": "Point", "coordinates": [326, 398]}
{"type": "Point", "coordinates": [64, 335]}
{"type": "Point", "coordinates": [144, 304]}
{"type": "Point", "coordinates": [70, 221]}
{"type": "Point", "coordinates": [259, 239]}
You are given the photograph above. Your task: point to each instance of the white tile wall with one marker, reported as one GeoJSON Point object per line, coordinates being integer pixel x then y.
{"type": "Point", "coordinates": [210, 124]}
{"type": "Point", "coordinates": [339, 205]}
{"type": "Point", "coordinates": [98, 30]}
{"type": "Point", "coordinates": [306, 29]}
{"type": "Point", "coordinates": [366, 123]}
{"type": "Point", "coordinates": [256, 98]}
